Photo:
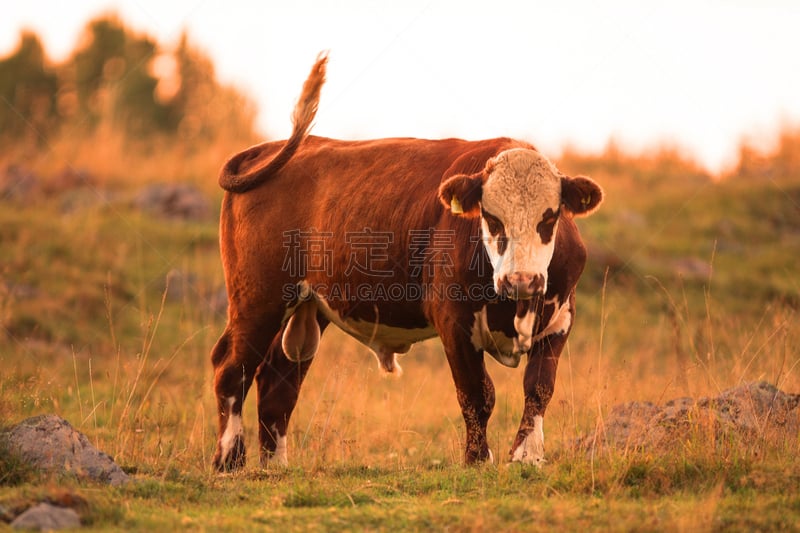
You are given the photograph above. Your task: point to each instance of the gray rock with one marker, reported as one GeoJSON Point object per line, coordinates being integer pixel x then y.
{"type": "Point", "coordinates": [752, 409]}
{"type": "Point", "coordinates": [174, 200]}
{"type": "Point", "coordinates": [46, 517]}
{"type": "Point", "coordinates": [49, 442]}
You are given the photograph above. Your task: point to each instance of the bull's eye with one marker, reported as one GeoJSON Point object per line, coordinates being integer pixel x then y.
{"type": "Point", "coordinates": [495, 226]}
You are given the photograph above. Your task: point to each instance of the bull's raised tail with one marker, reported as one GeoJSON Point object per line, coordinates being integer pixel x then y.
{"type": "Point", "coordinates": [232, 180]}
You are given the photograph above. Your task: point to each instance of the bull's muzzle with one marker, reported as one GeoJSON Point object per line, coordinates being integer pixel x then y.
{"type": "Point", "coordinates": [521, 286]}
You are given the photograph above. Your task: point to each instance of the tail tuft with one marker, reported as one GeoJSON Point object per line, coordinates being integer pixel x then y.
{"type": "Point", "coordinates": [302, 118]}
{"type": "Point", "coordinates": [306, 108]}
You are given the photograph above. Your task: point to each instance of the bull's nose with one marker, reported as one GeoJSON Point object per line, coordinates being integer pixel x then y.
{"type": "Point", "coordinates": [521, 285]}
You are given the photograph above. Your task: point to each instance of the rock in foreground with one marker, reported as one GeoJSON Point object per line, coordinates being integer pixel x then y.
{"type": "Point", "coordinates": [50, 443]}
{"type": "Point", "coordinates": [46, 517]}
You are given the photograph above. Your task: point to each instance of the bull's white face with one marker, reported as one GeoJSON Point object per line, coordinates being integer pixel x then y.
{"type": "Point", "coordinates": [519, 218]}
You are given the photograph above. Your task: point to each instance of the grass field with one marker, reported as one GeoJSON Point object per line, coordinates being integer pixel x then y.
{"type": "Point", "coordinates": [109, 314]}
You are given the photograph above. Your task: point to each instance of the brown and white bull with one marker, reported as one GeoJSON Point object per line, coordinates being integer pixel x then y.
{"type": "Point", "coordinates": [394, 241]}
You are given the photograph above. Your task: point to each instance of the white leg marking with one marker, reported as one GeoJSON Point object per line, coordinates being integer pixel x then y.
{"type": "Point", "coordinates": [233, 429]}
{"type": "Point", "coordinates": [531, 449]}
{"type": "Point", "coordinates": [280, 457]}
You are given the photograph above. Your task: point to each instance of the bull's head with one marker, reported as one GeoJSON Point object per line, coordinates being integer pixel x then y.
{"type": "Point", "coordinates": [519, 196]}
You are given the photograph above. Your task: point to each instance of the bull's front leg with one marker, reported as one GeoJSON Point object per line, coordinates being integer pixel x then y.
{"type": "Point", "coordinates": [475, 393]}
{"type": "Point", "coordinates": [539, 382]}
{"type": "Point", "coordinates": [474, 388]}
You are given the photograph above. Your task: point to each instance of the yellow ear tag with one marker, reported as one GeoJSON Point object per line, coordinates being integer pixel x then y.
{"type": "Point", "coordinates": [455, 206]}
{"type": "Point", "coordinates": [586, 200]}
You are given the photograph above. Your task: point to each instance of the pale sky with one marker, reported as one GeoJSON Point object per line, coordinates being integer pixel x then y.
{"type": "Point", "coordinates": [700, 74]}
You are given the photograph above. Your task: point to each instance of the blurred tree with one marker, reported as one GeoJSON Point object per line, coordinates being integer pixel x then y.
{"type": "Point", "coordinates": [206, 109]}
{"type": "Point", "coordinates": [121, 83]}
{"type": "Point", "coordinates": [136, 108]}
{"type": "Point", "coordinates": [787, 155]}
{"type": "Point", "coordinates": [777, 162]}
{"type": "Point", "coordinates": [28, 87]}
{"type": "Point", "coordinates": [112, 79]}
{"type": "Point", "coordinates": [99, 60]}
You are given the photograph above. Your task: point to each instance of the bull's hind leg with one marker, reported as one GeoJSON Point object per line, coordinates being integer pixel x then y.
{"type": "Point", "coordinates": [278, 380]}
{"type": "Point", "coordinates": [235, 358]}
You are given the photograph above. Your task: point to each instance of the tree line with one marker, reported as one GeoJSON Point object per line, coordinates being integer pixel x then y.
{"type": "Point", "coordinates": [117, 79]}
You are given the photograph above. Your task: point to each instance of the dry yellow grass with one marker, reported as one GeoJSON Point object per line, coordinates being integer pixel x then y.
{"type": "Point", "coordinates": [91, 338]}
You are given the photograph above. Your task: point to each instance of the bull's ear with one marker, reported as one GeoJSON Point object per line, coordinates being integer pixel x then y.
{"type": "Point", "coordinates": [580, 195]}
{"type": "Point", "coordinates": [461, 194]}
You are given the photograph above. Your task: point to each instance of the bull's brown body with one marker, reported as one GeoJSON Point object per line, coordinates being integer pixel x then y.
{"type": "Point", "coordinates": [395, 266]}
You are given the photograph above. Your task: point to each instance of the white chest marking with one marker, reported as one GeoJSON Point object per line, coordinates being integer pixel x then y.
{"type": "Point", "coordinates": [506, 350]}
{"type": "Point", "coordinates": [560, 321]}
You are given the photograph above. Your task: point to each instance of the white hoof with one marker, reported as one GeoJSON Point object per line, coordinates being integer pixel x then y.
{"type": "Point", "coordinates": [531, 449]}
